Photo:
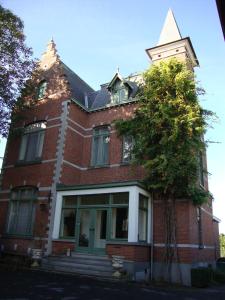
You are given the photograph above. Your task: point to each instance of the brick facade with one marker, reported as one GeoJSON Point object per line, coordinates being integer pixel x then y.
{"type": "Point", "coordinates": [66, 159]}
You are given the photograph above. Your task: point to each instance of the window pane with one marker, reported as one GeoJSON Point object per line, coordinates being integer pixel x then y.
{"type": "Point", "coordinates": [120, 222]}
{"type": "Point", "coordinates": [23, 218]}
{"type": "Point", "coordinates": [12, 217]}
{"type": "Point", "coordinates": [143, 201]}
{"type": "Point", "coordinates": [32, 142]}
{"type": "Point", "coordinates": [41, 89]}
{"type": "Point", "coordinates": [23, 147]}
{"type": "Point", "coordinates": [70, 201]}
{"type": "Point", "coordinates": [68, 223]}
{"type": "Point", "coordinates": [40, 143]}
{"type": "Point", "coordinates": [100, 146]}
{"type": "Point", "coordinates": [27, 194]}
{"type": "Point", "coordinates": [142, 217]}
{"type": "Point", "coordinates": [127, 148]}
{"type": "Point", "coordinates": [31, 146]}
{"type": "Point", "coordinates": [21, 211]}
{"type": "Point", "coordinates": [142, 225]}
{"type": "Point", "coordinates": [120, 198]}
{"type": "Point", "coordinates": [95, 199]}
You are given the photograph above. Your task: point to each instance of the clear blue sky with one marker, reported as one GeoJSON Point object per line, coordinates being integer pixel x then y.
{"type": "Point", "coordinates": [93, 37]}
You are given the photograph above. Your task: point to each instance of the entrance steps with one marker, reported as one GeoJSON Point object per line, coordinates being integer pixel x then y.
{"type": "Point", "coordinates": [77, 263]}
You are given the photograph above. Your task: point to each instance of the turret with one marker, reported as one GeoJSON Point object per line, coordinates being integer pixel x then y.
{"type": "Point", "coordinates": [171, 44]}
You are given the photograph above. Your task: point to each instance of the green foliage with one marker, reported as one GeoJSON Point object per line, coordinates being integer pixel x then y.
{"type": "Point", "coordinates": [222, 245]}
{"type": "Point", "coordinates": [16, 64]}
{"type": "Point", "coordinates": [218, 276]}
{"type": "Point", "coordinates": [198, 195]}
{"type": "Point", "coordinates": [201, 277]}
{"type": "Point", "coordinates": [168, 127]}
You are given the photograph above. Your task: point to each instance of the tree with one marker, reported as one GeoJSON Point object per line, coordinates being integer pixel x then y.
{"type": "Point", "coordinates": [16, 65]}
{"type": "Point", "coordinates": [168, 128]}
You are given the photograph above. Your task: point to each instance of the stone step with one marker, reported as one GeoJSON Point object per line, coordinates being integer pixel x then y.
{"type": "Point", "coordinates": [79, 265]}
{"type": "Point", "coordinates": [84, 264]}
{"type": "Point", "coordinates": [74, 270]}
{"type": "Point", "coordinates": [82, 260]}
{"type": "Point", "coordinates": [89, 256]}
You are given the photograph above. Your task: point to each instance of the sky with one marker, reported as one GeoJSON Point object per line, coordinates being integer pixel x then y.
{"type": "Point", "coordinates": [95, 37]}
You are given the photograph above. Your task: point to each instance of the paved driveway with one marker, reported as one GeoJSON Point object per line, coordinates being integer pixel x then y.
{"type": "Point", "coordinates": [31, 285]}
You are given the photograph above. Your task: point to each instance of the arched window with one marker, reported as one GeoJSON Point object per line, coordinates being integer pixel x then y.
{"type": "Point", "coordinates": [41, 89]}
{"type": "Point", "coordinates": [21, 211]}
{"type": "Point", "coordinates": [32, 142]}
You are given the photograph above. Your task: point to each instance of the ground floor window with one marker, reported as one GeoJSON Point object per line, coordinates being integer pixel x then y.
{"type": "Point", "coordinates": [104, 215]}
{"type": "Point", "coordinates": [21, 211]}
{"type": "Point", "coordinates": [68, 217]}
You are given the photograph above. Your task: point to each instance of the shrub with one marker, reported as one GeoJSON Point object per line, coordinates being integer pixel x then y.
{"type": "Point", "coordinates": [219, 276]}
{"type": "Point", "coordinates": [201, 277]}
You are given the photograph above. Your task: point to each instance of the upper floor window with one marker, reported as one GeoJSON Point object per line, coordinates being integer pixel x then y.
{"type": "Point", "coordinates": [128, 144]}
{"type": "Point", "coordinates": [32, 142]}
{"type": "Point", "coordinates": [100, 146]}
{"type": "Point", "coordinates": [41, 89]}
{"type": "Point", "coordinates": [21, 211]}
{"type": "Point", "coordinates": [119, 93]}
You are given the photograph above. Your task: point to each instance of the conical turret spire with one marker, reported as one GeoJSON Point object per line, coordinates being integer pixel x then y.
{"type": "Point", "coordinates": [171, 44]}
{"type": "Point", "coordinates": [170, 31]}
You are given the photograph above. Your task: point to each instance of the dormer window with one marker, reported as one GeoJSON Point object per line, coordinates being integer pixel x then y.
{"type": "Point", "coordinates": [119, 93]}
{"type": "Point", "coordinates": [41, 89]}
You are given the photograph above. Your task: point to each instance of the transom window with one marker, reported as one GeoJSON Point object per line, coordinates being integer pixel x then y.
{"type": "Point", "coordinates": [21, 211]}
{"type": "Point", "coordinates": [100, 146]}
{"type": "Point", "coordinates": [41, 89]}
{"type": "Point", "coordinates": [119, 93]}
{"type": "Point", "coordinates": [32, 142]}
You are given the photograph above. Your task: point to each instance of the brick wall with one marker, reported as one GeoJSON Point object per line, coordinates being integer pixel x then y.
{"type": "Point", "coordinates": [130, 252]}
{"type": "Point", "coordinates": [60, 247]}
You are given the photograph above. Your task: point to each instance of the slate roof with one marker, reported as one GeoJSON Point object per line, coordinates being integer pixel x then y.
{"type": "Point", "coordinates": [95, 99]}
{"type": "Point", "coordinates": [79, 87]}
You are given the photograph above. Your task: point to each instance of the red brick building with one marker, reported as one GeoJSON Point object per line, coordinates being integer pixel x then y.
{"type": "Point", "coordinates": [67, 182]}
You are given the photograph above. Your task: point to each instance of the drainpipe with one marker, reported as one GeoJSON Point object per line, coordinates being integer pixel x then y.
{"type": "Point", "coordinates": [152, 241]}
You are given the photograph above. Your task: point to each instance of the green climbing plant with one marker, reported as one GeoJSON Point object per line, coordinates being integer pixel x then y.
{"type": "Point", "coordinates": [168, 128]}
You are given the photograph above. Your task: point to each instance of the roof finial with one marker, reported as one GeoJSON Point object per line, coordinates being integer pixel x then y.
{"type": "Point", "coordinates": [170, 31]}
{"type": "Point", "coordinates": [118, 70]}
{"type": "Point", "coordinates": [50, 56]}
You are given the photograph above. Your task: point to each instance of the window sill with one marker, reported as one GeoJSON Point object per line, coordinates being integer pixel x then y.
{"type": "Point", "coordinates": [125, 164]}
{"type": "Point", "coordinates": [27, 163]}
{"type": "Point", "coordinates": [99, 167]}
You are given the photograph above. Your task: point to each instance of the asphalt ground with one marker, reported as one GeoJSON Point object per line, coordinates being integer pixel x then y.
{"type": "Point", "coordinates": [28, 284]}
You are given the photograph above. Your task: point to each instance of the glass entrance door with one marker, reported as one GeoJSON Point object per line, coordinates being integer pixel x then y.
{"type": "Point", "coordinates": [92, 230]}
